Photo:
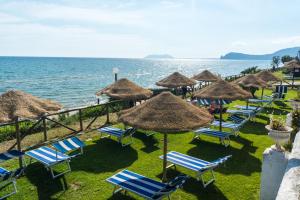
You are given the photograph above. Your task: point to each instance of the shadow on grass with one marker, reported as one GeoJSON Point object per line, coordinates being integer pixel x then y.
{"type": "Point", "coordinates": [253, 127]}
{"type": "Point", "coordinates": [276, 111]}
{"type": "Point", "coordinates": [195, 187]}
{"type": "Point", "coordinates": [46, 186]}
{"type": "Point", "coordinates": [105, 155]}
{"type": "Point", "coordinates": [242, 162]}
{"type": "Point", "coordinates": [281, 104]}
{"type": "Point", "coordinates": [150, 142]}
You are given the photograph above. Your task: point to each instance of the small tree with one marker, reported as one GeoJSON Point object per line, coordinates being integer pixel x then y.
{"type": "Point", "coordinates": [286, 58]}
{"type": "Point", "coordinates": [275, 62]}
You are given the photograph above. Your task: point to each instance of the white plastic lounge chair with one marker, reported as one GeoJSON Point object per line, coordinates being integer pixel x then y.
{"type": "Point", "coordinates": [119, 133]}
{"type": "Point", "coordinates": [145, 187]}
{"type": "Point", "coordinates": [223, 136]}
{"type": "Point", "coordinates": [50, 158]}
{"type": "Point", "coordinates": [195, 164]}
{"type": "Point", "coordinates": [69, 145]}
{"type": "Point", "coordinates": [9, 177]}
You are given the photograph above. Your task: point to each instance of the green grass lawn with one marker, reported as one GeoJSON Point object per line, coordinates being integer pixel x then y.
{"type": "Point", "coordinates": [238, 179]}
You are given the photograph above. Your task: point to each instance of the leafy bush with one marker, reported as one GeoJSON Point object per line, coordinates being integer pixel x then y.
{"type": "Point", "coordinates": [250, 70]}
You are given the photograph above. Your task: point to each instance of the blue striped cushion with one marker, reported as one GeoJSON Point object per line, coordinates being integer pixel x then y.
{"type": "Point", "coordinates": [189, 162]}
{"type": "Point", "coordinates": [4, 174]}
{"type": "Point", "coordinates": [136, 183]}
{"type": "Point", "coordinates": [247, 107]}
{"type": "Point", "coordinates": [236, 119]}
{"type": "Point", "coordinates": [242, 112]}
{"type": "Point", "coordinates": [214, 133]}
{"type": "Point", "coordinates": [10, 154]}
{"type": "Point", "coordinates": [258, 100]}
{"type": "Point", "coordinates": [226, 124]}
{"type": "Point", "coordinates": [207, 102]}
{"type": "Point", "coordinates": [47, 155]}
{"type": "Point", "coordinates": [68, 144]}
{"type": "Point", "coordinates": [112, 131]}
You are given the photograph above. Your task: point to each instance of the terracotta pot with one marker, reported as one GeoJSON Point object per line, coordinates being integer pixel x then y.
{"type": "Point", "coordinates": [280, 137]}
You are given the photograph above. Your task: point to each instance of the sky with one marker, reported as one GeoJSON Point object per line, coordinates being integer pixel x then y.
{"type": "Point", "coordinates": [136, 28]}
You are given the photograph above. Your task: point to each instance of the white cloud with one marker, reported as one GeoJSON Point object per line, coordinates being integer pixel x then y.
{"type": "Point", "coordinates": [8, 19]}
{"type": "Point", "coordinates": [62, 13]}
{"type": "Point", "coordinates": [238, 44]}
{"type": "Point", "coordinates": [293, 40]}
{"type": "Point", "coordinates": [41, 40]}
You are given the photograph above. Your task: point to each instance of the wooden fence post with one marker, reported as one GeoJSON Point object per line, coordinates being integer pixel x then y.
{"type": "Point", "coordinates": [18, 137]}
{"type": "Point", "coordinates": [107, 113]}
{"type": "Point", "coordinates": [80, 120]}
{"type": "Point", "coordinates": [45, 129]}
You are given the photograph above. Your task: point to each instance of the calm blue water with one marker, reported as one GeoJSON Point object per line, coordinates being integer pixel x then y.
{"type": "Point", "coordinates": [74, 81]}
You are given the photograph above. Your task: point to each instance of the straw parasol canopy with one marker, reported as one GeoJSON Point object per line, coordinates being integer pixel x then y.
{"type": "Point", "coordinates": [251, 81]}
{"type": "Point", "coordinates": [165, 113]}
{"type": "Point", "coordinates": [293, 64]}
{"type": "Point", "coordinates": [18, 104]}
{"type": "Point", "coordinates": [176, 80]}
{"type": "Point", "coordinates": [124, 89]}
{"type": "Point", "coordinates": [267, 76]}
{"type": "Point", "coordinates": [206, 76]}
{"type": "Point", "coordinates": [222, 90]}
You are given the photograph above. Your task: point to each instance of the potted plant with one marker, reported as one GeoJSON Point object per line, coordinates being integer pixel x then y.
{"type": "Point", "coordinates": [279, 132]}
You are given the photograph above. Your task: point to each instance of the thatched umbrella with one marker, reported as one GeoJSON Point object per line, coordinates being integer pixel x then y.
{"type": "Point", "coordinates": [293, 65]}
{"type": "Point", "coordinates": [165, 113]}
{"type": "Point", "coordinates": [15, 105]}
{"type": "Point", "coordinates": [222, 90]}
{"type": "Point", "coordinates": [124, 89]}
{"type": "Point", "coordinates": [251, 82]}
{"type": "Point", "coordinates": [176, 80]}
{"type": "Point", "coordinates": [267, 77]}
{"type": "Point", "coordinates": [206, 76]}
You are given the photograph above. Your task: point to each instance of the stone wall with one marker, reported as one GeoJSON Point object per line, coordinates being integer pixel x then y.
{"type": "Point", "coordinates": [290, 185]}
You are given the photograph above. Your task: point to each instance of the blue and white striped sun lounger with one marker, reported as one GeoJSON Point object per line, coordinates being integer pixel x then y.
{"type": "Point", "coordinates": [254, 108]}
{"type": "Point", "coordinates": [143, 186]}
{"type": "Point", "coordinates": [50, 158]}
{"type": "Point", "coordinates": [9, 177]}
{"type": "Point", "coordinates": [223, 136]}
{"type": "Point", "coordinates": [10, 155]}
{"type": "Point", "coordinates": [195, 164]}
{"type": "Point", "coordinates": [258, 101]}
{"type": "Point", "coordinates": [235, 125]}
{"type": "Point", "coordinates": [69, 145]}
{"type": "Point", "coordinates": [248, 113]}
{"type": "Point", "coordinates": [237, 119]}
{"type": "Point", "coordinates": [119, 133]}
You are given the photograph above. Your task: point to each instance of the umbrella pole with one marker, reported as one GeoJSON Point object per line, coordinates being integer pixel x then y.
{"type": "Point", "coordinates": [262, 93]}
{"type": "Point", "coordinates": [221, 107]}
{"type": "Point", "coordinates": [164, 178]}
{"type": "Point", "coordinates": [18, 137]}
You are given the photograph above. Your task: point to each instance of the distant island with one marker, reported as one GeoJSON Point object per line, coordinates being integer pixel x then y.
{"type": "Point", "coordinates": [282, 52]}
{"type": "Point", "coordinates": [159, 56]}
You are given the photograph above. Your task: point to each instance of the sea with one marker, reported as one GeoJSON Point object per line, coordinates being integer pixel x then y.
{"type": "Point", "coordinates": [74, 81]}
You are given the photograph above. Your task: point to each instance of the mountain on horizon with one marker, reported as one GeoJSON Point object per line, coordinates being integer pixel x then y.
{"type": "Point", "coordinates": [242, 56]}
{"type": "Point", "coordinates": [159, 56]}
